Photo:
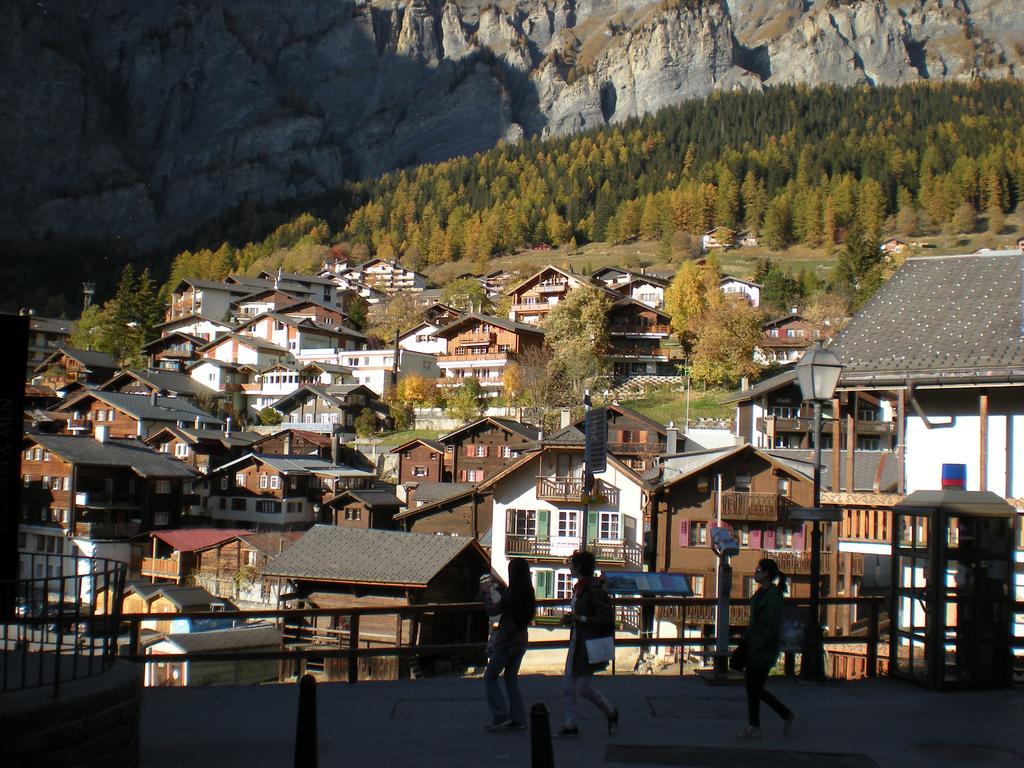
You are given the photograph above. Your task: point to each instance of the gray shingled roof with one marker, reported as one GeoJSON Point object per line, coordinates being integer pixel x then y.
{"type": "Point", "coordinates": [90, 359]}
{"type": "Point", "coordinates": [528, 431]}
{"type": "Point", "coordinates": [865, 467]}
{"type": "Point", "coordinates": [167, 381]}
{"type": "Point", "coordinates": [959, 315]}
{"type": "Point", "coordinates": [500, 322]}
{"type": "Point", "coordinates": [234, 639]}
{"type": "Point", "coordinates": [762, 387]}
{"type": "Point", "coordinates": [431, 491]}
{"type": "Point", "coordinates": [373, 497]}
{"type": "Point", "coordinates": [143, 407]}
{"type": "Point", "coordinates": [117, 453]}
{"type": "Point", "coordinates": [328, 553]}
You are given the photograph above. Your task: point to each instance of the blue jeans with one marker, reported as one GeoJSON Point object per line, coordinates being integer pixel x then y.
{"type": "Point", "coordinates": [505, 658]}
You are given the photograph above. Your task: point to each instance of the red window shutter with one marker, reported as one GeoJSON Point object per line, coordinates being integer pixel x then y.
{"type": "Point", "coordinates": [799, 540]}
{"type": "Point", "coordinates": [487, 450]}
{"type": "Point", "coordinates": [469, 450]}
{"type": "Point", "coordinates": [684, 533]}
{"type": "Point", "coordinates": [480, 474]}
{"type": "Point", "coordinates": [769, 538]}
{"type": "Point", "coordinates": [462, 475]}
{"type": "Point", "coordinates": [755, 539]}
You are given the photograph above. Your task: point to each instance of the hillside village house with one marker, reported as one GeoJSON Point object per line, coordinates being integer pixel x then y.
{"type": "Point", "coordinates": [173, 351]}
{"type": "Point", "coordinates": [334, 409]}
{"type": "Point", "coordinates": [74, 366]}
{"type": "Point", "coordinates": [321, 313]}
{"type": "Point", "coordinates": [317, 288]}
{"type": "Point", "coordinates": [635, 439]}
{"type": "Point", "coordinates": [477, 451]}
{"type": "Point", "coordinates": [233, 567]}
{"type": "Point", "coordinates": [260, 302]}
{"type": "Point", "coordinates": [362, 508]}
{"type": "Point", "coordinates": [391, 277]}
{"type": "Point", "coordinates": [734, 286]}
{"type": "Point", "coordinates": [201, 449]}
{"type": "Point", "coordinates": [450, 509]}
{"type": "Point", "coordinates": [374, 368]}
{"type": "Point", "coordinates": [303, 337]}
{"type": "Point", "coordinates": [208, 298]}
{"type": "Point", "coordinates": [97, 493]}
{"type": "Point", "coordinates": [166, 383]}
{"type": "Point", "coordinates": [129, 415]}
{"type": "Point", "coordinates": [199, 326]}
{"type": "Point", "coordinates": [647, 289]}
{"type": "Point", "coordinates": [421, 460]}
{"type": "Point", "coordinates": [45, 335]}
{"type": "Point", "coordinates": [170, 556]}
{"type": "Point", "coordinates": [534, 297]}
{"type": "Point", "coordinates": [538, 513]}
{"type": "Point", "coordinates": [294, 442]}
{"type": "Point", "coordinates": [637, 336]}
{"type": "Point", "coordinates": [332, 567]}
{"type": "Point", "coordinates": [244, 350]}
{"type": "Point", "coordinates": [786, 338]}
{"type": "Point", "coordinates": [480, 347]}
{"type": "Point", "coordinates": [423, 338]}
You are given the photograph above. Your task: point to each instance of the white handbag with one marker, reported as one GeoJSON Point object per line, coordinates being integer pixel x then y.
{"type": "Point", "coordinates": [600, 649]}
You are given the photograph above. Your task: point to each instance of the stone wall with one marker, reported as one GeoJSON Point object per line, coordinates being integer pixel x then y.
{"type": "Point", "coordinates": [94, 722]}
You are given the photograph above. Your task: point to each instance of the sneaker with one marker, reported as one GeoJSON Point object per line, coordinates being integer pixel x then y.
{"type": "Point", "coordinates": [567, 731]}
{"type": "Point", "coordinates": [613, 722]}
{"type": "Point", "coordinates": [750, 732]}
{"type": "Point", "coordinates": [498, 726]}
{"type": "Point", "coordinates": [789, 722]}
{"type": "Point", "coordinates": [516, 727]}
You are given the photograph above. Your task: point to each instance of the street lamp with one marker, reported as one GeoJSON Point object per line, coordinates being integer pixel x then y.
{"type": "Point", "coordinates": [817, 373]}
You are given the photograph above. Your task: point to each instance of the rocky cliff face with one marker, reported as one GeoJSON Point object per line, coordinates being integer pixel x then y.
{"type": "Point", "coordinates": [134, 123]}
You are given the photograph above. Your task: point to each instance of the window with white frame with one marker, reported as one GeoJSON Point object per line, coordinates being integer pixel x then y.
{"type": "Point", "coordinates": [568, 522]}
{"type": "Point", "coordinates": [419, 471]}
{"type": "Point", "coordinates": [240, 479]}
{"type": "Point", "coordinates": [163, 487]}
{"type": "Point", "coordinates": [275, 482]}
{"type": "Point", "coordinates": [563, 585]}
{"type": "Point", "coordinates": [224, 483]}
{"type": "Point", "coordinates": [481, 451]}
{"type": "Point", "coordinates": [180, 450]}
{"type": "Point", "coordinates": [609, 526]}
{"type": "Point", "coordinates": [522, 522]}
{"type": "Point", "coordinates": [264, 481]}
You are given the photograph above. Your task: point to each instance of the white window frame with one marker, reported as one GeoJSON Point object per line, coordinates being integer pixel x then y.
{"type": "Point", "coordinates": [568, 523]}
{"type": "Point", "coordinates": [563, 584]}
{"type": "Point", "coordinates": [163, 487]}
{"type": "Point", "coordinates": [609, 526]}
{"type": "Point", "coordinates": [240, 479]}
{"type": "Point", "coordinates": [275, 482]}
{"type": "Point", "coordinates": [264, 482]}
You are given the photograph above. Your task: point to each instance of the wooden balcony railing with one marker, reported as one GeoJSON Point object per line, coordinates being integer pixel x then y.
{"type": "Point", "coordinates": [570, 489]}
{"type": "Point", "coordinates": [613, 552]}
{"type": "Point", "coordinates": [464, 358]}
{"type": "Point", "coordinates": [753, 506]}
{"type": "Point", "coordinates": [800, 562]}
{"type": "Point", "coordinates": [634, 449]}
{"type": "Point", "coordinates": [656, 329]}
{"type": "Point", "coordinates": [166, 567]}
{"type": "Point", "coordinates": [803, 424]}
{"type": "Point", "coordinates": [107, 530]}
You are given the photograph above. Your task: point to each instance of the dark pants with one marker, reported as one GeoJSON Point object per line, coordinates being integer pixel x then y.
{"type": "Point", "coordinates": [755, 678]}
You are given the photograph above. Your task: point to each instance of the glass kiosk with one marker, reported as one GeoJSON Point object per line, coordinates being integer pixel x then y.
{"type": "Point", "coordinates": [952, 589]}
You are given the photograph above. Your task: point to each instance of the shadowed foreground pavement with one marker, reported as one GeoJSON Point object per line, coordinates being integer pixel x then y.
{"type": "Point", "coordinates": [666, 721]}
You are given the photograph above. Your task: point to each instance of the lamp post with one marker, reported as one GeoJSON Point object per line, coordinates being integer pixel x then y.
{"type": "Point", "coordinates": [817, 373]}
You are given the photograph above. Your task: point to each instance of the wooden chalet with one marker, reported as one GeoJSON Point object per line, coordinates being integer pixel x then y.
{"type": "Point", "coordinates": [233, 567]}
{"type": "Point", "coordinates": [294, 442]}
{"type": "Point", "coordinates": [338, 567]}
{"type": "Point", "coordinates": [362, 508]}
{"type": "Point", "coordinates": [327, 409]}
{"type": "Point", "coordinates": [480, 346]}
{"type": "Point", "coordinates": [237, 349]}
{"type": "Point", "coordinates": [173, 351]}
{"type": "Point", "coordinates": [161, 382]}
{"type": "Point", "coordinates": [99, 489]}
{"type": "Point", "coordinates": [479, 450]}
{"type": "Point", "coordinates": [637, 336]}
{"type": "Point", "coordinates": [634, 438]}
{"type": "Point", "coordinates": [421, 460]}
{"type": "Point", "coordinates": [201, 449]}
{"type": "Point", "coordinates": [226, 671]}
{"type": "Point", "coordinates": [129, 415]}
{"type": "Point", "coordinates": [453, 509]}
{"type": "Point", "coordinates": [66, 366]}
{"type": "Point", "coordinates": [171, 555]}
{"type": "Point", "coordinates": [534, 297]}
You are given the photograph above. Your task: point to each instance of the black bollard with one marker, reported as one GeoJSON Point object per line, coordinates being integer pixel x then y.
{"type": "Point", "coordinates": [305, 725]}
{"type": "Point", "coordinates": [542, 754]}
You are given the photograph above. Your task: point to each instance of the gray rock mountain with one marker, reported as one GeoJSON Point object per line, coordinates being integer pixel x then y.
{"type": "Point", "coordinates": [133, 123]}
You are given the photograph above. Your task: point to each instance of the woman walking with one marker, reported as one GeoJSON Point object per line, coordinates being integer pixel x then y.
{"type": "Point", "coordinates": [507, 645]}
{"type": "Point", "coordinates": [762, 641]}
{"type": "Point", "coordinates": [591, 617]}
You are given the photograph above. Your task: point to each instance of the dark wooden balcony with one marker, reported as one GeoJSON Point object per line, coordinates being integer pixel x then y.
{"type": "Point", "coordinates": [161, 567]}
{"type": "Point", "coordinates": [608, 552]}
{"type": "Point", "coordinates": [639, 329]}
{"type": "Point", "coordinates": [570, 489]}
{"type": "Point", "coordinates": [799, 563]}
{"type": "Point", "coordinates": [100, 530]}
{"type": "Point", "coordinates": [753, 506]}
{"type": "Point", "coordinates": [637, 449]}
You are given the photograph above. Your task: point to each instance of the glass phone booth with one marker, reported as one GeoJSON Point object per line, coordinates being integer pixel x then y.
{"type": "Point", "coordinates": [952, 589]}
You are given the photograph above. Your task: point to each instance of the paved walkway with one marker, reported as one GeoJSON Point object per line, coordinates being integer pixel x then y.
{"type": "Point", "coordinates": [665, 721]}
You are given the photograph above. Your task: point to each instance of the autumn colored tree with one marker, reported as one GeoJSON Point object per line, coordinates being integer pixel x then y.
{"type": "Point", "coordinates": [576, 334]}
{"type": "Point", "coordinates": [724, 348]}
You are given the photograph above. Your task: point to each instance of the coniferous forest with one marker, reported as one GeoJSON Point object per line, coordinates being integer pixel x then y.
{"type": "Point", "coordinates": [791, 164]}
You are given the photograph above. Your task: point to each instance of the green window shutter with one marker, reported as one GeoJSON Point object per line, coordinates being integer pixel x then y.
{"type": "Point", "coordinates": [543, 525]}
{"type": "Point", "coordinates": [592, 520]}
{"type": "Point", "coordinates": [545, 584]}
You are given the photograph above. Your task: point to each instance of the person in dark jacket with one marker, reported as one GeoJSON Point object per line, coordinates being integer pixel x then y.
{"type": "Point", "coordinates": [506, 647]}
{"type": "Point", "coordinates": [762, 641]}
{"type": "Point", "coordinates": [592, 616]}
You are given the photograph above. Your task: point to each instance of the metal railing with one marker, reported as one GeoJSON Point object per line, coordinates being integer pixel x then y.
{"type": "Point", "coordinates": [346, 641]}
{"type": "Point", "coordinates": [65, 622]}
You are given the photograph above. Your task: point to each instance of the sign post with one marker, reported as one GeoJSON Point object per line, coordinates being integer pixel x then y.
{"type": "Point", "coordinates": [595, 456]}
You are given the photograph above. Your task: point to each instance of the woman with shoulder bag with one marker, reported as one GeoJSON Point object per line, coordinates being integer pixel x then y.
{"type": "Point", "coordinates": [506, 647]}
{"type": "Point", "coordinates": [592, 619]}
{"type": "Point", "coordinates": [761, 644]}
